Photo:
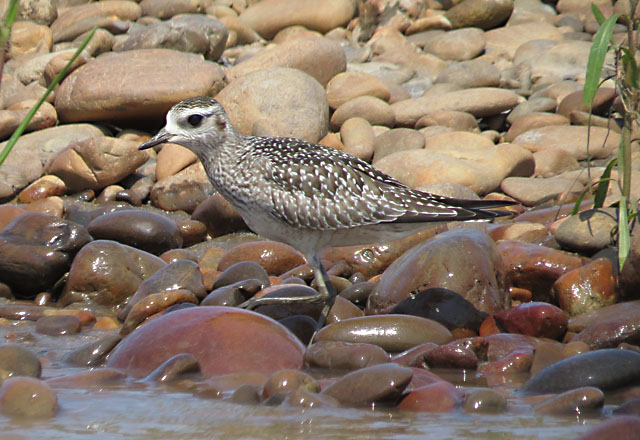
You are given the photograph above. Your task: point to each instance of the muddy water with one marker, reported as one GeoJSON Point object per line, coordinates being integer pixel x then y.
{"type": "Point", "coordinates": [134, 410]}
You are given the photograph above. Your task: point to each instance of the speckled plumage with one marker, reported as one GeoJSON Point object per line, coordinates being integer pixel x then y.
{"type": "Point", "coordinates": [309, 196]}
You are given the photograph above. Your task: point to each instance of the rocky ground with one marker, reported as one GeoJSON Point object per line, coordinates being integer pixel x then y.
{"type": "Point", "coordinates": [478, 98]}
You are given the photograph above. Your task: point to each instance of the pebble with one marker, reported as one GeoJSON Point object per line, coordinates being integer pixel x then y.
{"type": "Point", "coordinates": [435, 398]}
{"type": "Point", "coordinates": [27, 398]}
{"type": "Point", "coordinates": [338, 355]}
{"type": "Point", "coordinates": [16, 360]}
{"type": "Point", "coordinates": [237, 341]}
{"type": "Point", "coordinates": [587, 288]}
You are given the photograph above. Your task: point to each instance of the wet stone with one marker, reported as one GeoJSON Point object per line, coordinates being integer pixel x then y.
{"type": "Point", "coordinates": [588, 369]}
{"type": "Point", "coordinates": [107, 273]}
{"type": "Point", "coordinates": [576, 401]}
{"type": "Point", "coordinates": [178, 367]}
{"type": "Point", "coordinates": [393, 333]}
{"type": "Point", "coordinates": [241, 271]}
{"type": "Point", "coordinates": [534, 319]}
{"type": "Point", "coordinates": [276, 258]}
{"type": "Point", "coordinates": [92, 354]}
{"type": "Point", "coordinates": [336, 355]}
{"type": "Point", "coordinates": [234, 294]}
{"type": "Point", "coordinates": [27, 397]}
{"type": "Point", "coordinates": [379, 383]}
{"type": "Point", "coordinates": [97, 377]}
{"type": "Point", "coordinates": [451, 356]}
{"type": "Point", "coordinates": [414, 357]}
{"type": "Point", "coordinates": [358, 293]}
{"type": "Point", "coordinates": [59, 325]}
{"type": "Point", "coordinates": [312, 308]}
{"type": "Point", "coordinates": [444, 306]}
{"type": "Point", "coordinates": [247, 394]}
{"type": "Point", "coordinates": [220, 216]}
{"type": "Point", "coordinates": [437, 397]}
{"type": "Point", "coordinates": [485, 401]}
{"type": "Point", "coordinates": [303, 326]}
{"type": "Point", "coordinates": [620, 428]}
{"type": "Point", "coordinates": [306, 399]}
{"type": "Point", "coordinates": [288, 381]}
{"type": "Point", "coordinates": [181, 275]}
{"type": "Point", "coordinates": [18, 361]}
{"type": "Point", "coordinates": [36, 250]}
{"type": "Point", "coordinates": [144, 230]}
{"type": "Point", "coordinates": [236, 341]}
{"type": "Point", "coordinates": [153, 304]}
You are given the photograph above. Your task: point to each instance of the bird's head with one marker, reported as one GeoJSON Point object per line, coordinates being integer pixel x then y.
{"type": "Point", "coordinates": [198, 124]}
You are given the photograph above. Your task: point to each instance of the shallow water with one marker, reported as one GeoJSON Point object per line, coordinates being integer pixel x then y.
{"type": "Point", "coordinates": [140, 411]}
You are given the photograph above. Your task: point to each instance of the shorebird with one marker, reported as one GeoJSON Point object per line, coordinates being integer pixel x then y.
{"type": "Point", "coordinates": [307, 195]}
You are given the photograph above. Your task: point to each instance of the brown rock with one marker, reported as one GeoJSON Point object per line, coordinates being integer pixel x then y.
{"type": "Point", "coordinates": [29, 37]}
{"type": "Point", "coordinates": [27, 397]}
{"type": "Point", "coordinates": [468, 253]}
{"type": "Point", "coordinates": [71, 17]}
{"type": "Point", "coordinates": [276, 258]}
{"type": "Point", "coordinates": [438, 397]}
{"type": "Point", "coordinates": [182, 191]}
{"type": "Point", "coordinates": [536, 319]}
{"type": "Point", "coordinates": [348, 85]}
{"type": "Point", "coordinates": [479, 13]}
{"type": "Point", "coordinates": [164, 9]}
{"type": "Point", "coordinates": [237, 341]}
{"type": "Point", "coordinates": [96, 162]}
{"type": "Point", "coordinates": [319, 57]}
{"type": "Point", "coordinates": [219, 216]}
{"type": "Point", "coordinates": [139, 86]}
{"type": "Point", "coordinates": [529, 121]}
{"type": "Point", "coordinates": [270, 16]}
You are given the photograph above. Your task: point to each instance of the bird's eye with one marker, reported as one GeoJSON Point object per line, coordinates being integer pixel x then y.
{"type": "Point", "coordinates": [195, 120]}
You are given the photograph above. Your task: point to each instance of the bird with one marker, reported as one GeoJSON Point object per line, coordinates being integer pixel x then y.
{"type": "Point", "coordinates": [307, 195]}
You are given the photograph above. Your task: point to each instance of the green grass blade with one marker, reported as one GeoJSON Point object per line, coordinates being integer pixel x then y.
{"type": "Point", "coordinates": [630, 67]}
{"type": "Point", "coordinates": [23, 125]}
{"type": "Point", "coordinates": [597, 54]}
{"type": "Point", "coordinates": [576, 205]}
{"type": "Point", "coordinates": [624, 235]}
{"type": "Point", "coordinates": [603, 185]}
{"type": "Point", "coordinates": [597, 13]}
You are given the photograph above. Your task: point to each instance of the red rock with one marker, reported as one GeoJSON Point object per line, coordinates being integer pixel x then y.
{"type": "Point", "coordinates": [619, 428]}
{"type": "Point", "coordinates": [223, 339]}
{"type": "Point", "coordinates": [27, 397]}
{"type": "Point", "coordinates": [276, 258]}
{"type": "Point", "coordinates": [534, 319]}
{"type": "Point", "coordinates": [438, 397]}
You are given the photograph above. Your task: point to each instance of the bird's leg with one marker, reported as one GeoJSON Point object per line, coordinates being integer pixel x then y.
{"type": "Point", "coordinates": [327, 292]}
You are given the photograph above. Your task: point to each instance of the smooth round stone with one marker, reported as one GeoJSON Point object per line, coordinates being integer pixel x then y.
{"type": "Point", "coordinates": [630, 407]}
{"type": "Point", "coordinates": [516, 362]}
{"type": "Point", "coordinates": [146, 88]}
{"type": "Point", "coordinates": [395, 140]}
{"type": "Point", "coordinates": [280, 311]}
{"type": "Point", "coordinates": [573, 139]}
{"type": "Point", "coordinates": [320, 58]}
{"type": "Point", "coordinates": [435, 398]}
{"type": "Point", "coordinates": [551, 163]}
{"type": "Point", "coordinates": [601, 104]}
{"type": "Point", "coordinates": [620, 428]}
{"type": "Point", "coordinates": [458, 121]}
{"type": "Point", "coordinates": [150, 232]}
{"type": "Point", "coordinates": [576, 401]}
{"type": "Point", "coordinates": [220, 216]}
{"type": "Point", "coordinates": [357, 137]}
{"type": "Point", "coordinates": [373, 109]}
{"type": "Point", "coordinates": [180, 366]}
{"type": "Point", "coordinates": [534, 267]}
{"type": "Point", "coordinates": [459, 45]}
{"type": "Point", "coordinates": [509, 39]}
{"type": "Point", "coordinates": [588, 369]}
{"type": "Point", "coordinates": [480, 102]}
{"type": "Point", "coordinates": [587, 288]}
{"type": "Point", "coordinates": [144, 308]}
{"type": "Point", "coordinates": [59, 325]}
{"type": "Point", "coordinates": [337, 355]}
{"type": "Point", "coordinates": [278, 101]}
{"type": "Point", "coordinates": [379, 383]}
{"type": "Point", "coordinates": [444, 306]}
{"type": "Point", "coordinates": [537, 319]}
{"type": "Point", "coordinates": [164, 9]}
{"type": "Point", "coordinates": [588, 232]}
{"type": "Point", "coordinates": [97, 162]}
{"type": "Point", "coordinates": [45, 186]}
{"type": "Point", "coordinates": [306, 399]}
{"type": "Point", "coordinates": [241, 271]}
{"type": "Point", "coordinates": [180, 275]}
{"type": "Point", "coordinates": [485, 401]}
{"type": "Point", "coordinates": [107, 273]}
{"type": "Point", "coordinates": [393, 333]}
{"type": "Point", "coordinates": [343, 309]}
{"type": "Point", "coordinates": [35, 251]}
{"type": "Point", "coordinates": [547, 353]}
{"type": "Point", "coordinates": [303, 326]}
{"type": "Point", "coordinates": [451, 356]}
{"type": "Point", "coordinates": [468, 74]}
{"type": "Point", "coordinates": [27, 397]}
{"type": "Point", "coordinates": [531, 191]}
{"type": "Point", "coordinates": [92, 354]}
{"type": "Point", "coordinates": [288, 381]}
{"type": "Point", "coordinates": [194, 33]}
{"type": "Point", "coordinates": [172, 158]}
{"type": "Point", "coordinates": [468, 253]}
{"type": "Point", "coordinates": [223, 340]}
{"type": "Point", "coordinates": [182, 191]}
{"type": "Point", "coordinates": [529, 121]}
{"type": "Point", "coordinates": [483, 14]}
{"type": "Point", "coordinates": [232, 295]}
{"type": "Point", "coordinates": [275, 257]}
{"type": "Point", "coordinates": [348, 85]}
{"type": "Point", "coordinates": [268, 18]}
{"type": "Point", "coordinates": [18, 361]}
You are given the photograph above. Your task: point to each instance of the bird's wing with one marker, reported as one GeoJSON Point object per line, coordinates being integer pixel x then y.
{"type": "Point", "coordinates": [317, 187]}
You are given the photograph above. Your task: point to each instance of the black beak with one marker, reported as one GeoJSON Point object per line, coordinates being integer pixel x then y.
{"type": "Point", "coordinates": [160, 138]}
